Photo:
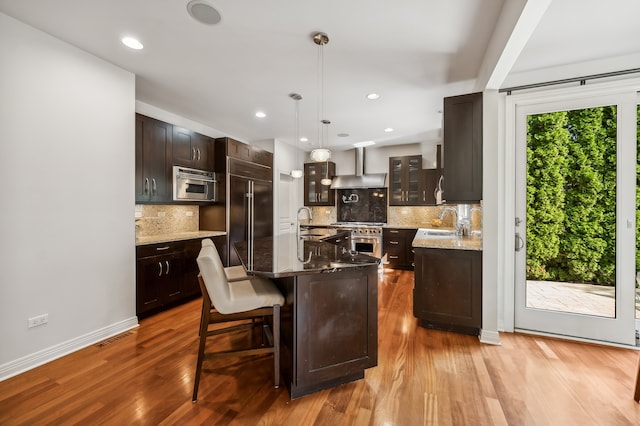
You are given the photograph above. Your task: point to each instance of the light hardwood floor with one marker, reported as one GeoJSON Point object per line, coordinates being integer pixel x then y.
{"type": "Point", "coordinates": [423, 377]}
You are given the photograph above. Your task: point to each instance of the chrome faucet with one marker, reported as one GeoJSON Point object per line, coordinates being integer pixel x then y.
{"type": "Point", "coordinates": [298, 219]}
{"type": "Point", "coordinates": [455, 214]}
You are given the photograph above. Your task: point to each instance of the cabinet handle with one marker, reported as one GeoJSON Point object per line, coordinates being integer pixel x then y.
{"type": "Point", "coordinates": [154, 188]}
{"type": "Point", "coordinates": [167, 263]}
{"type": "Point", "coordinates": [393, 257]}
{"type": "Point", "coordinates": [163, 248]}
{"type": "Point", "coordinates": [394, 231]}
{"type": "Point", "coordinates": [424, 195]}
{"type": "Point", "coordinates": [193, 154]}
{"type": "Point", "coordinates": [394, 242]}
{"type": "Point", "coordinates": [198, 154]}
{"type": "Point", "coordinates": [160, 273]}
{"type": "Point", "coordinates": [146, 185]}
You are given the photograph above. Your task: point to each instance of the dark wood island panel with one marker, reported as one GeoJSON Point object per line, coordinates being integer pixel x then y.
{"type": "Point", "coordinates": [329, 328]}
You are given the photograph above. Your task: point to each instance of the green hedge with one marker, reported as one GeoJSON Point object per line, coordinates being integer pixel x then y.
{"type": "Point", "coordinates": [571, 195]}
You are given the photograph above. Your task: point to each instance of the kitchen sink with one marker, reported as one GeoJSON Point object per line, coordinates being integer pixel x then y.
{"type": "Point", "coordinates": [437, 232]}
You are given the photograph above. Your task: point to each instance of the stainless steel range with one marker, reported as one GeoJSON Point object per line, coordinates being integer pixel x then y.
{"type": "Point", "coordinates": [366, 237]}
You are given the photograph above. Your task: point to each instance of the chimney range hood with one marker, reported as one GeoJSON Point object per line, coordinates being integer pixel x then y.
{"type": "Point", "coordinates": [360, 179]}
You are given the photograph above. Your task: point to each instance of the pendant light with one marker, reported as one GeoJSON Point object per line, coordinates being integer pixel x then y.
{"type": "Point", "coordinates": [320, 154]}
{"type": "Point", "coordinates": [326, 180]}
{"type": "Point", "coordinates": [296, 173]}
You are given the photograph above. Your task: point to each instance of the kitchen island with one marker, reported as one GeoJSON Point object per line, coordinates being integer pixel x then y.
{"type": "Point", "coordinates": [329, 324]}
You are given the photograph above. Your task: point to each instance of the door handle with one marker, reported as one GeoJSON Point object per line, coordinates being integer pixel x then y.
{"type": "Point", "coordinates": [519, 242]}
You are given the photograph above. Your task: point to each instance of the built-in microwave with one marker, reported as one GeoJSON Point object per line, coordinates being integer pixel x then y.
{"type": "Point", "coordinates": [194, 185]}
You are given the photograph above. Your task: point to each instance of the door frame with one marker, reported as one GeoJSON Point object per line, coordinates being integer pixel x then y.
{"type": "Point", "coordinates": [626, 88]}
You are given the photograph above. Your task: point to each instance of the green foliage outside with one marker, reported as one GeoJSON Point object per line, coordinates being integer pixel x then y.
{"type": "Point", "coordinates": [571, 196]}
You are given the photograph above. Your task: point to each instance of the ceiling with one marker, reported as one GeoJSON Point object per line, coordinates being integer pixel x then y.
{"type": "Point", "coordinates": [411, 52]}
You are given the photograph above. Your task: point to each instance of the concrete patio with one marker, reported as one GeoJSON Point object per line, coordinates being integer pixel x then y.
{"type": "Point", "coordinates": [585, 299]}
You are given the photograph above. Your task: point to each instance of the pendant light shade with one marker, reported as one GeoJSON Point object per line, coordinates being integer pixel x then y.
{"type": "Point", "coordinates": [295, 172]}
{"type": "Point", "coordinates": [320, 155]}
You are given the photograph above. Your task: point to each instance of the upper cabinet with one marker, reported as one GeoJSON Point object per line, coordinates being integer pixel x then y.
{"type": "Point", "coordinates": [405, 188]}
{"type": "Point", "coordinates": [317, 194]}
{"type": "Point", "coordinates": [153, 160]}
{"type": "Point", "coordinates": [227, 147]}
{"type": "Point", "coordinates": [191, 149]}
{"type": "Point", "coordinates": [463, 148]}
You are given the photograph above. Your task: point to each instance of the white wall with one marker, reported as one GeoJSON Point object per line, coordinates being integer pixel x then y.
{"type": "Point", "coordinates": [66, 221]}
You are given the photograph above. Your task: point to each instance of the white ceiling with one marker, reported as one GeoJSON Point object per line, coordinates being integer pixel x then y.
{"type": "Point", "coordinates": [411, 52]}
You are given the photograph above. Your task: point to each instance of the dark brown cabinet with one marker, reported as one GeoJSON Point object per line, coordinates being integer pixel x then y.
{"type": "Point", "coordinates": [329, 328]}
{"type": "Point", "coordinates": [153, 158]}
{"type": "Point", "coordinates": [447, 293]}
{"type": "Point", "coordinates": [191, 149]}
{"type": "Point", "coordinates": [463, 148]}
{"type": "Point", "coordinates": [405, 180]}
{"type": "Point", "coordinates": [317, 194]}
{"type": "Point", "coordinates": [227, 147]}
{"type": "Point", "coordinates": [397, 245]}
{"type": "Point", "coordinates": [428, 184]}
{"type": "Point", "coordinates": [159, 275]}
{"type": "Point", "coordinates": [167, 274]}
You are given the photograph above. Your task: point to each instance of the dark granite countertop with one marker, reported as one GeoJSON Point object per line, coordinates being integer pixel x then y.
{"type": "Point", "coordinates": [285, 255]}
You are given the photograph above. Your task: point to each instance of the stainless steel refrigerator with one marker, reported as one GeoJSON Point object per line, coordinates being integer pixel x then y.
{"type": "Point", "coordinates": [249, 203]}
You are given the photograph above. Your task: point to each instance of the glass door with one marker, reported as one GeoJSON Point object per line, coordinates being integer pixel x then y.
{"type": "Point", "coordinates": [575, 218]}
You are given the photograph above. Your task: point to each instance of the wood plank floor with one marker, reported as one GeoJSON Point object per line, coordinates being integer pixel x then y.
{"type": "Point", "coordinates": [423, 377]}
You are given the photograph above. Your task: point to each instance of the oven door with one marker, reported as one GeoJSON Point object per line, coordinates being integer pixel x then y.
{"type": "Point", "coordinates": [367, 245]}
{"type": "Point", "coordinates": [189, 189]}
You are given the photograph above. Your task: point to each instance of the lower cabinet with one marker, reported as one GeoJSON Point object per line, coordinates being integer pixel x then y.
{"type": "Point", "coordinates": [447, 293]}
{"type": "Point", "coordinates": [167, 274]}
{"type": "Point", "coordinates": [396, 244]}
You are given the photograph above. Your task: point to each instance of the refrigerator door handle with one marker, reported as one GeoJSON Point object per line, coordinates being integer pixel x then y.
{"type": "Point", "coordinates": [250, 221]}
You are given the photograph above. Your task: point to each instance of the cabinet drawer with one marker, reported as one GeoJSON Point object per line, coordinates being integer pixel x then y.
{"type": "Point", "coordinates": [159, 249]}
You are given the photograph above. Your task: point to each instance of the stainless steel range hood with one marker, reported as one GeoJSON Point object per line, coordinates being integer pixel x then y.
{"type": "Point", "coordinates": [360, 179]}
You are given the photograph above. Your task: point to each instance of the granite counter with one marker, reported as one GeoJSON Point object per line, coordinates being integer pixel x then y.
{"type": "Point", "coordinates": [177, 236]}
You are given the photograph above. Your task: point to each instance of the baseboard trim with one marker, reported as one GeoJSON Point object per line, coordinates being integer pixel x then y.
{"type": "Point", "coordinates": [490, 337]}
{"type": "Point", "coordinates": [20, 365]}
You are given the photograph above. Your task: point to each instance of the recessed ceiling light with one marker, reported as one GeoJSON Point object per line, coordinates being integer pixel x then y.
{"type": "Point", "coordinates": [343, 135]}
{"type": "Point", "coordinates": [260, 114]}
{"type": "Point", "coordinates": [304, 139]}
{"type": "Point", "coordinates": [388, 130]}
{"type": "Point", "coordinates": [373, 96]}
{"type": "Point", "coordinates": [132, 43]}
{"type": "Point", "coordinates": [363, 144]}
{"type": "Point", "coordinates": [203, 12]}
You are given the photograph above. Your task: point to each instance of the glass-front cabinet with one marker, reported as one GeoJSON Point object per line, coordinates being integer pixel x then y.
{"type": "Point", "coordinates": [317, 194]}
{"type": "Point", "coordinates": [405, 187]}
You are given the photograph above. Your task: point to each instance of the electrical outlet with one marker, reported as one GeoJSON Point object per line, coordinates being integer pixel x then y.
{"type": "Point", "coordinates": [189, 213]}
{"type": "Point", "coordinates": [162, 214]}
{"type": "Point", "coordinates": [39, 320]}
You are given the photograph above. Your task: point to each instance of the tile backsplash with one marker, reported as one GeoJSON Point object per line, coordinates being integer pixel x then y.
{"type": "Point", "coordinates": [410, 216]}
{"type": "Point", "coordinates": [154, 220]}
